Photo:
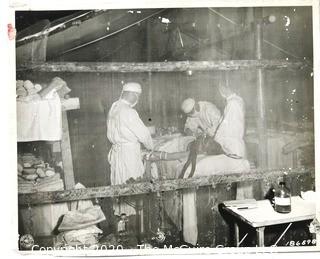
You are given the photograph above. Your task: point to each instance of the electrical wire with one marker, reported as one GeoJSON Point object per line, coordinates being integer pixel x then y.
{"type": "Point", "coordinates": [221, 15]}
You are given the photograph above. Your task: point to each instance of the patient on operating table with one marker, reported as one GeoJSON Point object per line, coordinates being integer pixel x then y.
{"type": "Point", "coordinates": [228, 154]}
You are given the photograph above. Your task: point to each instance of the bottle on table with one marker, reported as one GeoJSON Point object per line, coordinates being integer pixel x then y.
{"type": "Point", "coordinates": [282, 198]}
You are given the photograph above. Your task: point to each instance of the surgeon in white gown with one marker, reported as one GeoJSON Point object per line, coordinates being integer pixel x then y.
{"type": "Point", "coordinates": [230, 135]}
{"type": "Point", "coordinates": [126, 132]}
{"type": "Point", "coordinates": [202, 117]}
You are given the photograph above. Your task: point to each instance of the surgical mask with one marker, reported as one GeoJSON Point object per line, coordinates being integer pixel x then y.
{"type": "Point", "coordinates": [137, 99]}
{"type": "Point", "coordinates": [131, 104]}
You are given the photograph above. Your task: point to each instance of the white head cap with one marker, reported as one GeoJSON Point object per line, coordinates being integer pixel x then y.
{"type": "Point", "coordinates": [132, 87]}
{"type": "Point", "coordinates": [187, 105]}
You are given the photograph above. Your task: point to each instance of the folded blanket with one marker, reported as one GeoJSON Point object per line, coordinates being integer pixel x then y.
{"type": "Point", "coordinates": [84, 236]}
{"type": "Point", "coordinates": [52, 183]}
{"type": "Point", "coordinates": [56, 186]}
{"type": "Point", "coordinates": [78, 219]}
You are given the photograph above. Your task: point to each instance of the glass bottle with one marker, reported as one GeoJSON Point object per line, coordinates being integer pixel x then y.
{"type": "Point", "coordinates": [282, 199]}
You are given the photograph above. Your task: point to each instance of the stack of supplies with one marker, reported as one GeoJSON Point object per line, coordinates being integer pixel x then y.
{"type": "Point", "coordinates": [39, 110]}
{"type": "Point", "coordinates": [34, 175]}
{"type": "Point", "coordinates": [27, 91]}
{"type": "Point", "coordinates": [78, 227]}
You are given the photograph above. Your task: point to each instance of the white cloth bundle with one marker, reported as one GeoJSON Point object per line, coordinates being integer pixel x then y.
{"type": "Point", "coordinates": [78, 219]}
{"type": "Point", "coordinates": [84, 236]}
{"type": "Point", "coordinates": [39, 120]}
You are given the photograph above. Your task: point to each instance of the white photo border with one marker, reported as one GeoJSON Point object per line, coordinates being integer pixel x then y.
{"type": "Point", "coordinates": [9, 109]}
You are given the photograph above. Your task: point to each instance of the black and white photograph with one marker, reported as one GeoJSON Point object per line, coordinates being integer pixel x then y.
{"type": "Point", "coordinates": [163, 129]}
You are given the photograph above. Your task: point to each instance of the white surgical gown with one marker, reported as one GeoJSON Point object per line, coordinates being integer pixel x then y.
{"type": "Point", "coordinates": [126, 131]}
{"type": "Point", "coordinates": [231, 131]}
{"type": "Point", "coordinates": [230, 136]}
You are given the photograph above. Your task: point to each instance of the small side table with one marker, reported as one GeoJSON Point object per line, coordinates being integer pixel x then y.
{"type": "Point", "coordinates": [264, 215]}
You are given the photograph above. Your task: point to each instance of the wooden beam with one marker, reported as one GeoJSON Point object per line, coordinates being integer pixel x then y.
{"type": "Point", "coordinates": [152, 187]}
{"type": "Point", "coordinates": [105, 67]}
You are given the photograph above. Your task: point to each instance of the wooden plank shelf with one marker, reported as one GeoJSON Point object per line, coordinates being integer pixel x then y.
{"type": "Point", "coordinates": [267, 176]}
{"type": "Point", "coordinates": [126, 67]}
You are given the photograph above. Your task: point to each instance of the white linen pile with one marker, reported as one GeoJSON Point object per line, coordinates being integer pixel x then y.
{"type": "Point", "coordinates": [50, 183]}
{"type": "Point", "coordinates": [39, 120]}
{"type": "Point", "coordinates": [39, 109]}
{"type": "Point", "coordinates": [78, 227]}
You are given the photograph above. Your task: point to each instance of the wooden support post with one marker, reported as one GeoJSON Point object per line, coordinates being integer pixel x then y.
{"type": "Point", "coordinates": [149, 58]}
{"type": "Point", "coordinates": [260, 236]}
{"type": "Point", "coordinates": [145, 226]}
{"type": "Point", "coordinates": [139, 221]}
{"type": "Point", "coordinates": [261, 123]}
{"type": "Point", "coordinates": [164, 112]}
{"type": "Point", "coordinates": [146, 215]}
{"type": "Point", "coordinates": [160, 208]}
{"type": "Point", "coordinates": [150, 92]}
{"type": "Point", "coordinates": [236, 234]}
{"type": "Point", "coordinates": [67, 105]}
{"type": "Point", "coordinates": [295, 158]}
{"type": "Point", "coordinates": [66, 154]}
{"type": "Point", "coordinates": [147, 173]}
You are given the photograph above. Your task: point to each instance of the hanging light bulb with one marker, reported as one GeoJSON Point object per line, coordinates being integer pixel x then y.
{"type": "Point", "coordinates": [272, 18]}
